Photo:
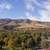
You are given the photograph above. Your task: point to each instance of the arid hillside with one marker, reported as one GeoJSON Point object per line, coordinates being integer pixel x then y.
{"type": "Point", "coordinates": [24, 23]}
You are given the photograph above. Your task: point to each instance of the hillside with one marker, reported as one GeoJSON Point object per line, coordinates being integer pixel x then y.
{"type": "Point", "coordinates": [22, 23]}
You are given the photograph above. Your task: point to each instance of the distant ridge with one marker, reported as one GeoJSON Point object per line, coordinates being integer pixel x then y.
{"type": "Point", "coordinates": [24, 23]}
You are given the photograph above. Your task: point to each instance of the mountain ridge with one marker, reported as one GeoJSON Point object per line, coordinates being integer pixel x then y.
{"type": "Point", "coordinates": [24, 23]}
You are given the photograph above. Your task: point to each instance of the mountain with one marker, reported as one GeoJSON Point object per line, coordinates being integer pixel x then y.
{"type": "Point", "coordinates": [23, 23]}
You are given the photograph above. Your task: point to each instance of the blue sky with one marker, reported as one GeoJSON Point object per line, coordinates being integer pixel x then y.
{"type": "Point", "coordinates": [32, 9]}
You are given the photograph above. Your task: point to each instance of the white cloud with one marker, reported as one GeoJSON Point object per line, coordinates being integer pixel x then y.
{"type": "Point", "coordinates": [27, 14]}
{"type": "Point", "coordinates": [29, 7]}
{"type": "Point", "coordinates": [44, 9]}
{"type": "Point", "coordinates": [46, 12]}
{"type": "Point", "coordinates": [33, 18]}
{"type": "Point", "coordinates": [6, 6]}
{"type": "Point", "coordinates": [45, 16]}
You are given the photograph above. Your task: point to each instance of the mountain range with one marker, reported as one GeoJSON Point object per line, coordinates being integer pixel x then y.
{"type": "Point", "coordinates": [24, 23]}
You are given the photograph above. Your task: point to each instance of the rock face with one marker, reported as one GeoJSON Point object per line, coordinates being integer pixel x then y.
{"type": "Point", "coordinates": [24, 23]}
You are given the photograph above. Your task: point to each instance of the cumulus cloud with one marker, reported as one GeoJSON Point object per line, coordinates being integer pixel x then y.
{"type": "Point", "coordinates": [43, 7]}
{"type": "Point", "coordinates": [6, 6]}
